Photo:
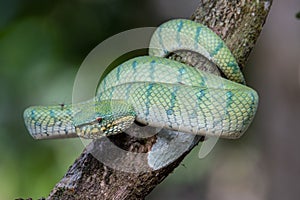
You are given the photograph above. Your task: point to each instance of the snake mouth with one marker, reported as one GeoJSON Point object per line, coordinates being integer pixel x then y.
{"type": "Point", "coordinates": [97, 130]}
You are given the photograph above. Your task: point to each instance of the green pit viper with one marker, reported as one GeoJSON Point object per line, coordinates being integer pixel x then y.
{"type": "Point", "coordinates": [159, 92]}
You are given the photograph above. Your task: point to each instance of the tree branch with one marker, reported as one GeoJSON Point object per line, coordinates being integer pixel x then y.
{"type": "Point", "coordinates": [239, 23]}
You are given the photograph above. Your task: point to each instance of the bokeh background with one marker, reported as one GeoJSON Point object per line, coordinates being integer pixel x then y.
{"type": "Point", "coordinates": [42, 44]}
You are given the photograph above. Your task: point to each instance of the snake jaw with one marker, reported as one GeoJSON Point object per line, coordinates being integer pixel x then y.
{"type": "Point", "coordinates": [105, 128]}
{"type": "Point", "coordinates": [99, 119]}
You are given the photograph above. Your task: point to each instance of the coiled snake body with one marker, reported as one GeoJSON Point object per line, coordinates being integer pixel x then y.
{"type": "Point", "coordinates": [159, 92]}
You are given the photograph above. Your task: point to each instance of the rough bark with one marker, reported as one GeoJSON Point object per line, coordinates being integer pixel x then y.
{"type": "Point", "coordinates": [239, 23]}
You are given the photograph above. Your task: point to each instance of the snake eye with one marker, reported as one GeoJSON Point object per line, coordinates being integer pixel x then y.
{"type": "Point", "coordinates": [99, 119]}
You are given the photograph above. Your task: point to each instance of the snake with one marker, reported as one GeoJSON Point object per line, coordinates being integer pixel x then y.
{"type": "Point", "coordinates": [159, 92]}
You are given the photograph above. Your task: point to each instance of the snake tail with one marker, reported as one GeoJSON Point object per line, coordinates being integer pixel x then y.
{"type": "Point", "coordinates": [183, 34]}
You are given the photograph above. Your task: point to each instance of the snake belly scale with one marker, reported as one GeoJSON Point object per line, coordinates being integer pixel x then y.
{"type": "Point", "coordinates": [159, 92]}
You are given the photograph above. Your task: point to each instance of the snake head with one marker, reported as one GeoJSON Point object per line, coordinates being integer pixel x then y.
{"type": "Point", "coordinates": [97, 119]}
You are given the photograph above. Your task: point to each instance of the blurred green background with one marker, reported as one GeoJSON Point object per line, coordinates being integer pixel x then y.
{"type": "Point", "coordinates": [42, 44]}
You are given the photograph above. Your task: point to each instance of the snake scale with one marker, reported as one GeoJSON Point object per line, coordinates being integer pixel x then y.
{"type": "Point", "coordinates": [159, 92]}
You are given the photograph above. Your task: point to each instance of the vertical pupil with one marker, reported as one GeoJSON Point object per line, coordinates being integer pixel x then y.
{"type": "Point", "coordinates": [99, 119]}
